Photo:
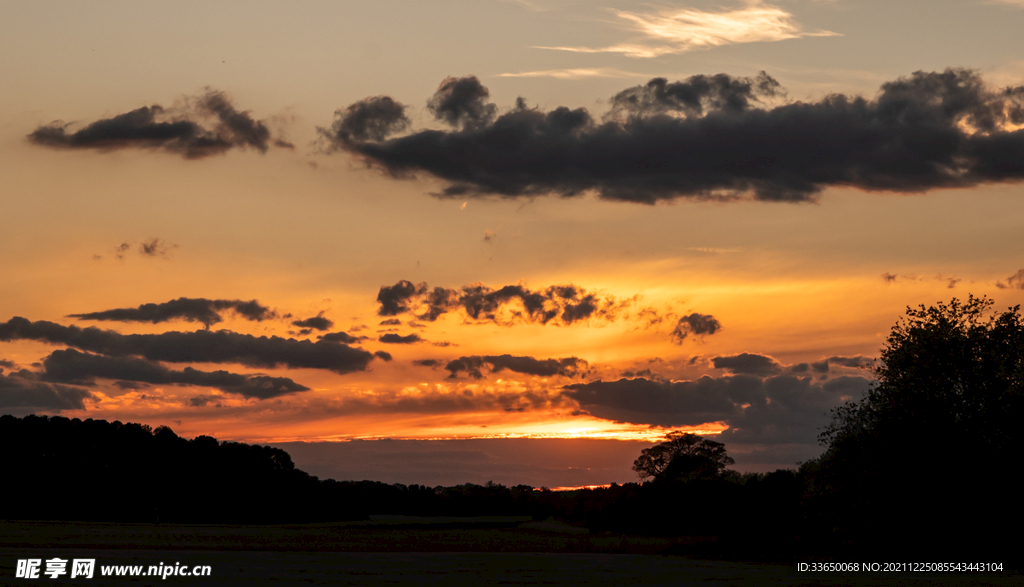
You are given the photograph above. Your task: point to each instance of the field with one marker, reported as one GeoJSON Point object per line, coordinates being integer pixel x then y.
{"type": "Point", "coordinates": [407, 551]}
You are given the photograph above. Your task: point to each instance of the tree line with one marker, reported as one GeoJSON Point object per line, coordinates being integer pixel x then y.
{"type": "Point", "coordinates": [94, 470]}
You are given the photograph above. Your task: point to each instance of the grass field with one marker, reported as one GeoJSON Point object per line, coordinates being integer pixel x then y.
{"type": "Point", "coordinates": [408, 551]}
{"type": "Point", "coordinates": [393, 534]}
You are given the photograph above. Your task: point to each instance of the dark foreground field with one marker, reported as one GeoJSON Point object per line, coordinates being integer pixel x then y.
{"type": "Point", "coordinates": [404, 551]}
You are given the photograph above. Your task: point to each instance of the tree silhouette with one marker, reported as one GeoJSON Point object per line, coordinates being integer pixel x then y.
{"type": "Point", "coordinates": [923, 453]}
{"type": "Point", "coordinates": [954, 369]}
{"type": "Point", "coordinates": [684, 456]}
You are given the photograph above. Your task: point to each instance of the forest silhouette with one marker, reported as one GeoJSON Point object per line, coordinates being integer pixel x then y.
{"type": "Point", "coordinates": [922, 465]}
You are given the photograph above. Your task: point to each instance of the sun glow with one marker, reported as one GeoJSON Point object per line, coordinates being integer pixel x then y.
{"type": "Point", "coordinates": [602, 430]}
{"type": "Point", "coordinates": [575, 488]}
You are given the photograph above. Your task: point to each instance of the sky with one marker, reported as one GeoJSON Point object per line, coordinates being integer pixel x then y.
{"type": "Point", "coordinates": [503, 240]}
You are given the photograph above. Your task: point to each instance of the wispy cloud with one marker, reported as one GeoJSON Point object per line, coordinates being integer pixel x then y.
{"type": "Point", "coordinates": [575, 73]}
{"type": "Point", "coordinates": [1016, 3]}
{"type": "Point", "coordinates": [1015, 281]}
{"type": "Point", "coordinates": [674, 30]}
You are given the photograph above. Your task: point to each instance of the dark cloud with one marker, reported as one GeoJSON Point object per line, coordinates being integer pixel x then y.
{"type": "Point", "coordinates": [317, 322]}
{"type": "Point", "coordinates": [473, 366]}
{"type": "Point", "coordinates": [209, 125]}
{"type": "Point", "coordinates": [951, 282]}
{"type": "Point", "coordinates": [663, 403]}
{"type": "Point", "coordinates": [394, 299]}
{"type": "Point", "coordinates": [130, 385]}
{"type": "Point", "coordinates": [1015, 281]}
{"type": "Point", "coordinates": [462, 102]}
{"type": "Point", "coordinates": [638, 373]}
{"type": "Point", "coordinates": [564, 304]}
{"type": "Point", "coordinates": [201, 310]}
{"type": "Point", "coordinates": [432, 363]}
{"type": "Point", "coordinates": [857, 362]}
{"type": "Point", "coordinates": [155, 247]}
{"type": "Point", "coordinates": [390, 321]}
{"type": "Point", "coordinates": [201, 401]}
{"type": "Point", "coordinates": [71, 366]}
{"type": "Point", "coordinates": [121, 249]}
{"type": "Point", "coordinates": [797, 411]}
{"type": "Point", "coordinates": [707, 137]}
{"type": "Point", "coordinates": [440, 401]}
{"type": "Point", "coordinates": [342, 337]}
{"type": "Point", "coordinates": [399, 339]}
{"type": "Point", "coordinates": [371, 119]}
{"type": "Point", "coordinates": [202, 346]}
{"type": "Point", "coordinates": [21, 391]}
{"type": "Point", "coordinates": [239, 127]}
{"type": "Point", "coordinates": [698, 324]}
{"type": "Point", "coordinates": [816, 367]}
{"type": "Point", "coordinates": [383, 355]}
{"type": "Point", "coordinates": [650, 317]}
{"type": "Point", "coordinates": [258, 386]}
{"type": "Point", "coordinates": [748, 364]}
{"type": "Point", "coordinates": [697, 96]}
{"type": "Point", "coordinates": [774, 410]}
{"type": "Point", "coordinates": [8, 364]}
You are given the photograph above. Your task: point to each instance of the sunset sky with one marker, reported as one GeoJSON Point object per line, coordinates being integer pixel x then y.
{"type": "Point", "coordinates": [494, 239]}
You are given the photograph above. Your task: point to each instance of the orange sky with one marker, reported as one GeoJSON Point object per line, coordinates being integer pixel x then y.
{"type": "Point", "coordinates": [794, 297]}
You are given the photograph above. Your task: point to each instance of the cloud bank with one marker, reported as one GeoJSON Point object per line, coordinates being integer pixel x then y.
{"type": "Point", "coordinates": [780, 409]}
{"type": "Point", "coordinates": [74, 367]}
{"type": "Point", "coordinates": [21, 391]}
{"type": "Point", "coordinates": [706, 137]}
{"type": "Point", "coordinates": [203, 346]}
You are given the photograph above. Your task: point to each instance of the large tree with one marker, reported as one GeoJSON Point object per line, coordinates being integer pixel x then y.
{"type": "Point", "coordinates": [927, 451]}
{"type": "Point", "coordinates": [684, 456]}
